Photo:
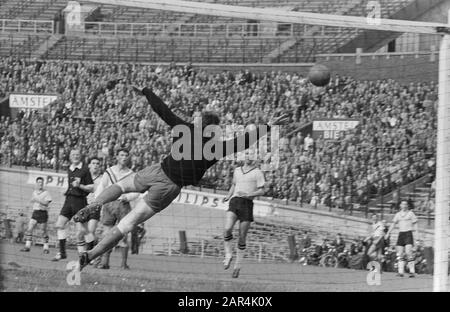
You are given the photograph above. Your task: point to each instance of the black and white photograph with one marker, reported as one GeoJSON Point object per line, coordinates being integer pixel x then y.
{"type": "Point", "coordinates": [224, 151]}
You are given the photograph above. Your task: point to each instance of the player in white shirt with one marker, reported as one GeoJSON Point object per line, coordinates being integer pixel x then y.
{"type": "Point", "coordinates": [248, 182]}
{"type": "Point", "coordinates": [377, 234]}
{"type": "Point", "coordinates": [113, 212]}
{"type": "Point", "coordinates": [40, 201]}
{"type": "Point", "coordinates": [407, 223]}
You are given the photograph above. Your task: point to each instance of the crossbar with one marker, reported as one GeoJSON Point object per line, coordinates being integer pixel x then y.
{"type": "Point", "coordinates": [283, 16]}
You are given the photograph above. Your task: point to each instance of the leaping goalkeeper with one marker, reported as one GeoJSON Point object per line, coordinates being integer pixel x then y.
{"type": "Point", "coordinates": [164, 181]}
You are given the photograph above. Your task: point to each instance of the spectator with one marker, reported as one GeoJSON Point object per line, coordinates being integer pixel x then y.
{"type": "Point", "coordinates": [305, 241]}
{"type": "Point", "coordinates": [309, 142]}
{"type": "Point", "coordinates": [339, 243]}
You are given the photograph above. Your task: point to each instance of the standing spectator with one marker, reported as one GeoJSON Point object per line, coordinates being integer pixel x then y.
{"type": "Point", "coordinates": [137, 235]}
{"type": "Point", "coordinates": [305, 241]}
{"type": "Point", "coordinates": [396, 198]}
{"type": "Point", "coordinates": [309, 142]}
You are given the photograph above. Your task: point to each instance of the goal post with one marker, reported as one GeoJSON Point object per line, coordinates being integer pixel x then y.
{"type": "Point", "coordinates": [441, 233]}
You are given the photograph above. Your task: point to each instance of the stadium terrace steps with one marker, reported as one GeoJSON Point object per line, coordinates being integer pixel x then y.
{"type": "Point", "coordinates": [32, 9]}
{"type": "Point", "coordinates": [238, 49]}
{"type": "Point", "coordinates": [154, 49]}
{"type": "Point", "coordinates": [20, 44]}
{"type": "Point", "coordinates": [418, 196]}
{"type": "Point", "coordinates": [12, 8]}
{"type": "Point", "coordinates": [388, 8]}
{"type": "Point", "coordinates": [371, 41]}
{"type": "Point", "coordinates": [45, 46]}
{"type": "Point", "coordinates": [336, 38]}
{"type": "Point", "coordinates": [337, 7]}
{"type": "Point", "coordinates": [317, 6]}
{"type": "Point", "coordinates": [48, 9]}
{"type": "Point", "coordinates": [120, 14]}
{"type": "Point", "coordinates": [51, 10]}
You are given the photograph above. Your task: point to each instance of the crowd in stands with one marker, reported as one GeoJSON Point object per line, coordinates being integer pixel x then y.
{"type": "Point", "coordinates": [393, 144]}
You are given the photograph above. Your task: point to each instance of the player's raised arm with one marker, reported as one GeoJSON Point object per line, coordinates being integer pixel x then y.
{"type": "Point", "coordinates": [251, 137]}
{"type": "Point", "coordinates": [394, 222]}
{"type": "Point", "coordinates": [109, 86]}
{"type": "Point", "coordinates": [160, 107]}
{"type": "Point", "coordinates": [243, 142]}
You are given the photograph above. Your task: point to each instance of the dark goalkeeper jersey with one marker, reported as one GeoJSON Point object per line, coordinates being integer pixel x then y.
{"type": "Point", "coordinates": [190, 170]}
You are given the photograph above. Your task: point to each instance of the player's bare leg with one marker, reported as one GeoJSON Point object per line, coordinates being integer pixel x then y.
{"type": "Point", "coordinates": [104, 263]}
{"type": "Point", "coordinates": [244, 226]}
{"type": "Point", "coordinates": [45, 248]}
{"type": "Point", "coordinates": [62, 235]}
{"type": "Point", "coordinates": [401, 260]}
{"type": "Point", "coordinates": [375, 252]}
{"type": "Point", "coordinates": [81, 232]}
{"type": "Point", "coordinates": [372, 253]}
{"type": "Point", "coordinates": [139, 214]}
{"type": "Point", "coordinates": [29, 235]}
{"type": "Point", "coordinates": [410, 258]}
{"type": "Point", "coordinates": [230, 221]}
{"type": "Point", "coordinates": [90, 236]}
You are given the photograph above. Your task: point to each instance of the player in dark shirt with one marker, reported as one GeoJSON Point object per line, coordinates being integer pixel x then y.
{"type": "Point", "coordinates": [182, 167]}
{"type": "Point", "coordinates": [80, 184]}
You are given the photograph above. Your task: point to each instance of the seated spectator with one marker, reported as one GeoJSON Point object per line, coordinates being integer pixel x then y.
{"type": "Point", "coordinates": [305, 241]}
{"type": "Point", "coordinates": [339, 243]}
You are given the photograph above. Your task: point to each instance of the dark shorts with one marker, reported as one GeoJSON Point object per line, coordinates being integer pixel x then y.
{"type": "Point", "coordinates": [114, 212]}
{"type": "Point", "coordinates": [41, 216]}
{"type": "Point", "coordinates": [161, 190]}
{"type": "Point", "coordinates": [242, 208]}
{"type": "Point", "coordinates": [72, 205]}
{"type": "Point", "coordinates": [405, 238]}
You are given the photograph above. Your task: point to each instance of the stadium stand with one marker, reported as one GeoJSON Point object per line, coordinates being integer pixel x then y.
{"type": "Point", "coordinates": [21, 45]}
{"type": "Point", "coordinates": [222, 39]}
{"type": "Point", "coordinates": [162, 49]}
{"type": "Point", "coordinates": [335, 38]}
{"type": "Point", "coordinates": [381, 155]}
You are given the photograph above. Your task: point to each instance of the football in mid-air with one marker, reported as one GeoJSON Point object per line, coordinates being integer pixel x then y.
{"type": "Point", "coordinates": [319, 75]}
